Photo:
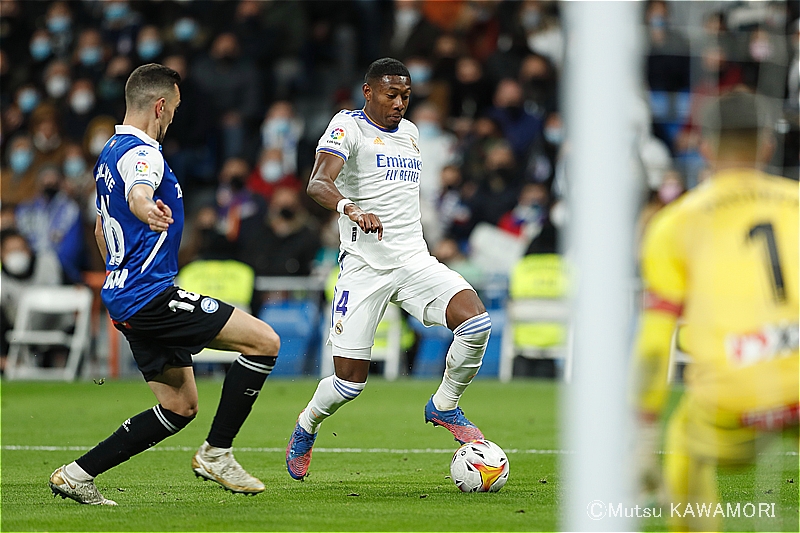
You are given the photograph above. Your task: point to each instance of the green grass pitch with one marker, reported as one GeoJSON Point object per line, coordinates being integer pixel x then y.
{"type": "Point", "coordinates": [376, 466]}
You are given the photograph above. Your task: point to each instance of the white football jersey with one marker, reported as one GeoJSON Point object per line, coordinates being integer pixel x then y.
{"type": "Point", "coordinates": [381, 175]}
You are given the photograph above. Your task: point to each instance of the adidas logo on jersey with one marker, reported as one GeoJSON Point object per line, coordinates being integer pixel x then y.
{"type": "Point", "coordinates": [377, 141]}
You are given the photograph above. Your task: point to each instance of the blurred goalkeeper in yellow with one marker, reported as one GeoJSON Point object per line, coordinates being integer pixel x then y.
{"type": "Point", "coordinates": [721, 264]}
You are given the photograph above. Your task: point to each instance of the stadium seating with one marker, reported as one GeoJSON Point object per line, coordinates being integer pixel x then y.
{"type": "Point", "coordinates": [537, 314]}
{"type": "Point", "coordinates": [295, 321]}
{"type": "Point", "coordinates": [69, 305]}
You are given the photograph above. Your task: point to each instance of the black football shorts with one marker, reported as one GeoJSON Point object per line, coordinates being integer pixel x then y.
{"type": "Point", "coordinates": [171, 328]}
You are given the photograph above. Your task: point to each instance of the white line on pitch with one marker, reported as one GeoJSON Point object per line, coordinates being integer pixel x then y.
{"type": "Point", "coordinates": [400, 451]}
{"type": "Point", "coordinates": [274, 450]}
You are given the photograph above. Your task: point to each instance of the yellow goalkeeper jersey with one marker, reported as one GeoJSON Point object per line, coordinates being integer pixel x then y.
{"type": "Point", "coordinates": [725, 259]}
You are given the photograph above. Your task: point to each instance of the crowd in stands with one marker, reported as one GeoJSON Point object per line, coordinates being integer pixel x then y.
{"type": "Point", "coordinates": [261, 80]}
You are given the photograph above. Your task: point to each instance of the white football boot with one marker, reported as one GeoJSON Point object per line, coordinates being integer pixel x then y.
{"type": "Point", "coordinates": [80, 491]}
{"type": "Point", "coordinates": [218, 464]}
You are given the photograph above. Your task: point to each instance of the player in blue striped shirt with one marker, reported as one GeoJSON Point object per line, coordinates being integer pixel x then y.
{"type": "Point", "coordinates": [139, 224]}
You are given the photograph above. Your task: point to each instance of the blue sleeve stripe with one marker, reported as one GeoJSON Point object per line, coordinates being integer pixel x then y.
{"type": "Point", "coordinates": [333, 152]}
{"type": "Point", "coordinates": [146, 182]}
{"type": "Point", "coordinates": [138, 182]}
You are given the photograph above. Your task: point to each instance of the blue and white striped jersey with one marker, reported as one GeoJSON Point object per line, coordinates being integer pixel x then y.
{"type": "Point", "coordinates": [140, 263]}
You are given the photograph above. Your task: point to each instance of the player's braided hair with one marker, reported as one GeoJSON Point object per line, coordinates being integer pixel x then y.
{"type": "Point", "coordinates": [148, 83]}
{"type": "Point", "coordinates": [386, 66]}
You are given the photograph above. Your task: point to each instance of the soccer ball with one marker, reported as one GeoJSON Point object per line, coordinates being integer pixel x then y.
{"type": "Point", "coordinates": [480, 466]}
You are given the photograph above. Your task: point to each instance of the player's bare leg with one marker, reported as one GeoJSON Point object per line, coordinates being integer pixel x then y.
{"type": "Point", "coordinates": [176, 392]}
{"type": "Point", "coordinates": [467, 318]}
{"type": "Point", "coordinates": [349, 379]}
{"type": "Point", "coordinates": [258, 344]}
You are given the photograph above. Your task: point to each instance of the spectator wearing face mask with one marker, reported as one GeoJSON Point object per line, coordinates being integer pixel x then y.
{"type": "Point", "coordinates": [528, 216]}
{"type": "Point", "coordinates": [27, 98]}
{"type": "Point", "coordinates": [482, 29]}
{"type": "Point", "coordinates": [437, 147]}
{"type": "Point", "coordinates": [238, 211]}
{"type": "Point", "coordinates": [40, 51]}
{"type": "Point", "coordinates": [232, 90]}
{"type": "Point", "coordinates": [51, 222]}
{"type": "Point", "coordinates": [80, 109]}
{"type": "Point", "coordinates": [270, 175]}
{"type": "Point", "coordinates": [187, 146]}
{"type": "Point", "coordinates": [520, 128]}
{"type": "Point", "coordinates": [483, 135]}
{"type": "Point", "coordinates": [499, 188]}
{"type": "Point", "coordinates": [410, 33]}
{"type": "Point", "coordinates": [149, 45]}
{"type": "Point", "coordinates": [18, 176]}
{"type": "Point", "coordinates": [57, 82]}
{"type": "Point", "coordinates": [205, 240]}
{"type": "Point", "coordinates": [21, 268]}
{"type": "Point", "coordinates": [249, 29]}
{"type": "Point", "coordinates": [542, 162]}
{"type": "Point", "coordinates": [110, 90]}
{"type": "Point", "coordinates": [78, 181]}
{"type": "Point", "coordinates": [186, 37]}
{"type": "Point", "coordinates": [425, 87]}
{"type": "Point", "coordinates": [471, 93]}
{"type": "Point", "coordinates": [287, 243]}
{"type": "Point", "coordinates": [58, 21]}
{"type": "Point", "coordinates": [668, 62]}
{"type": "Point", "coordinates": [542, 29]}
{"type": "Point", "coordinates": [455, 204]}
{"type": "Point", "coordinates": [767, 63]}
{"type": "Point", "coordinates": [89, 56]}
{"type": "Point", "coordinates": [120, 25]}
{"type": "Point", "coordinates": [283, 129]}
{"type": "Point", "coordinates": [539, 83]}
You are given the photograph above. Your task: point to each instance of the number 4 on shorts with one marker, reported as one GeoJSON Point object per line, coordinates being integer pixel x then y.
{"type": "Point", "coordinates": [341, 305]}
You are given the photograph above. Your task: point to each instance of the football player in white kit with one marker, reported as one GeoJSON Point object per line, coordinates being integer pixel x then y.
{"type": "Point", "coordinates": [367, 168]}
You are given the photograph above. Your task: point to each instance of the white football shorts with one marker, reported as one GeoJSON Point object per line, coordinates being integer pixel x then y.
{"type": "Point", "coordinates": [423, 287]}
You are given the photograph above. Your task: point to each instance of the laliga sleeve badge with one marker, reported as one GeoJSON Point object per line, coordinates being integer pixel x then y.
{"type": "Point", "coordinates": [209, 305]}
{"type": "Point", "coordinates": [338, 328]}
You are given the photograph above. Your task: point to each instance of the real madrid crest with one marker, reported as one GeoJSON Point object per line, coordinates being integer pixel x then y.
{"type": "Point", "coordinates": [338, 328]}
{"type": "Point", "coordinates": [414, 144]}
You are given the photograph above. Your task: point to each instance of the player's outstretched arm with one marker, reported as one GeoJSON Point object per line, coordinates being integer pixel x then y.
{"type": "Point", "coordinates": [321, 189]}
{"type": "Point", "coordinates": [155, 214]}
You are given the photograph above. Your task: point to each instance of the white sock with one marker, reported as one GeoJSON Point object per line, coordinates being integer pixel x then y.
{"type": "Point", "coordinates": [331, 394]}
{"type": "Point", "coordinates": [213, 451]}
{"type": "Point", "coordinates": [76, 473]}
{"type": "Point", "coordinates": [463, 360]}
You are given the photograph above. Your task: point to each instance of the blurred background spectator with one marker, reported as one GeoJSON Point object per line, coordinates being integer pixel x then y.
{"type": "Point", "coordinates": [51, 222]}
{"type": "Point", "coordinates": [21, 267]}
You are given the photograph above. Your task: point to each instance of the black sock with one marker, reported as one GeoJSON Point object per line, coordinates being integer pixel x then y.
{"type": "Point", "coordinates": [134, 436]}
{"type": "Point", "coordinates": [242, 384]}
